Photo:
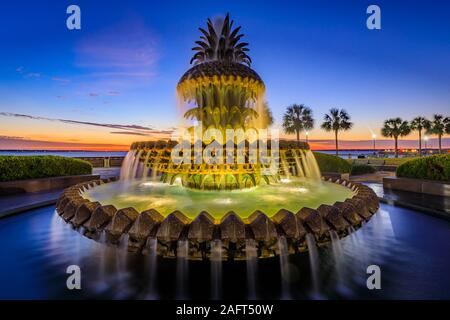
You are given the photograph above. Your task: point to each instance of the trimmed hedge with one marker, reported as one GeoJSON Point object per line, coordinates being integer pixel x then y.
{"type": "Point", "coordinates": [362, 169]}
{"type": "Point", "coordinates": [329, 163]}
{"type": "Point", "coordinates": [431, 168]}
{"type": "Point", "coordinates": [34, 167]}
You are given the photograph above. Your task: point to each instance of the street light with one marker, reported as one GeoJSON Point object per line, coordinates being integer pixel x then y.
{"type": "Point", "coordinates": [374, 137]}
{"type": "Point", "coordinates": [426, 140]}
{"type": "Point", "coordinates": [306, 135]}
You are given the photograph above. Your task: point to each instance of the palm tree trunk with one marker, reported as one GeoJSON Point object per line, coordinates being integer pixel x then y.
{"type": "Point", "coordinates": [298, 135]}
{"type": "Point", "coordinates": [396, 147]}
{"type": "Point", "coordinates": [337, 147]}
{"type": "Point", "coordinates": [420, 143]}
{"type": "Point", "coordinates": [440, 146]}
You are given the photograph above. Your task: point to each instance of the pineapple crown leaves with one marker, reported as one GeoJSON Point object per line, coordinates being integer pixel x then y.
{"type": "Point", "coordinates": [221, 45]}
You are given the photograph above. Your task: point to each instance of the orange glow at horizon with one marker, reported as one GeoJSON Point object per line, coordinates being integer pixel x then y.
{"type": "Point", "coordinates": [27, 134]}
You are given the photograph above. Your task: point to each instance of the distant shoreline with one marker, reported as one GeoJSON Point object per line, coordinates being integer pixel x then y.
{"type": "Point", "coordinates": [120, 151]}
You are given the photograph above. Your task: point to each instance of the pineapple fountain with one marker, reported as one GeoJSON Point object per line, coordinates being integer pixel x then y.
{"type": "Point", "coordinates": [196, 209]}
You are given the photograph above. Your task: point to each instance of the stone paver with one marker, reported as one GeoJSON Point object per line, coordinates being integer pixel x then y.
{"type": "Point", "coordinates": [17, 203]}
{"type": "Point", "coordinates": [376, 177]}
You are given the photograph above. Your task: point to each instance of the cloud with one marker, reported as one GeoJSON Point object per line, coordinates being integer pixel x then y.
{"type": "Point", "coordinates": [93, 94]}
{"type": "Point", "coordinates": [113, 93]}
{"type": "Point", "coordinates": [27, 74]}
{"type": "Point", "coordinates": [11, 138]}
{"type": "Point", "coordinates": [129, 133]}
{"type": "Point", "coordinates": [32, 75]}
{"type": "Point", "coordinates": [63, 80]}
{"type": "Point", "coordinates": [127, 128]}
{"type": "Point", "coordinates": [120, 53]}
{"type": "Point", "coordinates": [19, 143]}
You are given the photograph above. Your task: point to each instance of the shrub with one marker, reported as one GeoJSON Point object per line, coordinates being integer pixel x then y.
{"type": "Point", "coordinates": [432, 168]}
{"type": "Point", "coordinates": [33, 167]}
{"type": "Point", "coordinates": [329, 163]}
{"type": "Point", "coordinates": [362, 169]}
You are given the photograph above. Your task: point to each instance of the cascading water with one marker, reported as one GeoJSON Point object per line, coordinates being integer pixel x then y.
{"type": "Point", "coordinates": [284, 268]}
{"type": "Point", "coordinates": [135, 166]}
{"type": "Point", "coordinates": [146, 168]}
{"type": "Point", "coordinates": [182, 268]}
{"type": "Point", "coordinates": [121, 257]}
{"type": "Point", "coordinates": [104, 251]}
{"type": "Point", "coordinates": [131, 164]}
{"type": "Point", "coordinates": [251, 255]}
{"type": "Point", "coordinates": [102, 264]}
{"type": "Point", "coordinates": [216, 269]}
{"type": "Point", "coordinates": [127, 164]}
{"type": "Point", "coordinates": [314, 264]}
{"type": "Point", "coordinates": [284, 164]}
{"type": "Point", "coordinates": [310, 162]}
{"type": "Point", "coordinates": [298, 165]}
{"type": "Point", "coordinates": [337, 257]}
{"type": "Point", "coordinates": [152, 245]}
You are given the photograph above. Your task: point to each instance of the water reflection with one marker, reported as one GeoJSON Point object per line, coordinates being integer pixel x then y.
{"type": "Point", "coordinates": [410, 248]}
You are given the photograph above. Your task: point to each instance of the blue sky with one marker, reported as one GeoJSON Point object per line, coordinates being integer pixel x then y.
{"type": "Point", "coordinates": [122, 67]}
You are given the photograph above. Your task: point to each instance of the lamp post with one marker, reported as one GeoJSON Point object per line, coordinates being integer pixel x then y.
{"type": "Point", "coordinates": [306, 135]}
{"type": "Point", "coordinates": [426, 140]}
{"type": "Point", "coordinates": [374, 137]}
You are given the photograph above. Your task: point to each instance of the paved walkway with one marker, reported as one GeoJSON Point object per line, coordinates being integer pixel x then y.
{"type": "Point", "coordinates": [434, 205]}
{"type": "Point", "coordinates": [107, 172]}
{"type": "Point", "coordinates": [17, 203]}
{"type": "Point", "coordinates": [376, 177]}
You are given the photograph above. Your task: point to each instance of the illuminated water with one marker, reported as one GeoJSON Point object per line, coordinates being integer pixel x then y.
{"type": "Point", "coordinates": [410, 248]}
{"type": "Point", "coordinates": [292, 194]}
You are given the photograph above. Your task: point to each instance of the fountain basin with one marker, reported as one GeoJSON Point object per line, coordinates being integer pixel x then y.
{"type": "Point", "coordinates": [109, 207]}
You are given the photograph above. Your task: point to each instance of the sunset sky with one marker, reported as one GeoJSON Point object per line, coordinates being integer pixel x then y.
{"type": "Point", "coordinates": [113, 82]}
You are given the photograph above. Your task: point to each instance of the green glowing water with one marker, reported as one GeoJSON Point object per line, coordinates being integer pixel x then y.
{"type": "Point", "coordinates": [292, 195]}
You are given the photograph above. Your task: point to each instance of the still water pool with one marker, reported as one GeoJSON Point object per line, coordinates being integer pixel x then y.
{"type": "Point", "coordinates": [291, 194]}
{"type": "Point", "coordinates": [412, 250]}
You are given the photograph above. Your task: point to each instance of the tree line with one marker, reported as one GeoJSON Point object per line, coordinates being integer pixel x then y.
{"type": "Point", "coordinates": [299, 117]}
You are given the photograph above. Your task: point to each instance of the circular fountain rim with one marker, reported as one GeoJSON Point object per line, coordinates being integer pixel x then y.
{"type": "Point", "coordinates": [92, 218]}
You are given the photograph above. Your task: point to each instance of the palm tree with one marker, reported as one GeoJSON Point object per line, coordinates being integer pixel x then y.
{"type": "Point", "coordinates": [418, 124]}
{"type": "Point", "coordinates": [337, 120]}
{"type": "Point", "coordinates": [394, 128]}
{"type": "Point", "coordinates": [297, 118]}
{"type": "Point", "coordinates": [439, 126]}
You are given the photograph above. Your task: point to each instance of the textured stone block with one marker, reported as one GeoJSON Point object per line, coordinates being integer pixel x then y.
{"type": "Point", "coordinates": [172, 226]}
{"type": "Point", "coordinates": [202, 228]}
{"type": "Point", "coordinates": [332, 215]}
{"type": "Point", "coordinates": [100, 218]}
{"type": "Point", "coordinates": [290, 224]}
{"type": "Point", "coordinates": [84, 212]}
{"type": "Point", "coordinates": [314, 221]}
{"type": "Point", "coordinates": [263, 228]}
{"type": "Point", "coordinates": [232, 228]}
